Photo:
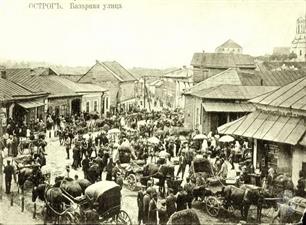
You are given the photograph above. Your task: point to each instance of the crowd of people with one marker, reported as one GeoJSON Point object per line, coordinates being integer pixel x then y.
{"type": "Point", "coordinates": [101, 153]}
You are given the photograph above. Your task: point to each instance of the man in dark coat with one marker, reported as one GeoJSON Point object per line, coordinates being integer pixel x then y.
{"type": "Point", "coordinates": [188, 188]}
{"type": "Point", "coordinates": [14, 145]}
{"type": "Point", "coordinates": [170, 203]}
{"type": "Point", "coordinates": [146, 202]}
{"type": "Point", "coordinates": [140, 196]}
{"type": "Point", "coordinates": [181, 199]}
{"type": "Point", "coordinates": [9, 172]}
{"type": "Point", "coordinates": [76, 157]}
{"type": "Point", "coordinates": [162, 213]}
{"type": "Point", "coordinates": [153, 209]}
{"type": "Point", "coordinates": [85, 166]}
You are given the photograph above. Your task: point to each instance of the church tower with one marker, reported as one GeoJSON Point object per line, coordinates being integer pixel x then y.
{"type": "Point", "coordinates": [298, 45]}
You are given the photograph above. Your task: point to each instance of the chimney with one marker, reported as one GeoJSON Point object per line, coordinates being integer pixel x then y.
{"type": "Point", "coordinates": [3, 74]}
{"type": "Point", "coordinates": [32, 72]}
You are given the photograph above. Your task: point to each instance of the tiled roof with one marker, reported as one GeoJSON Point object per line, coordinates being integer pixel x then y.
{"type": "Point", "coordinates": [34, 82]}
{"type": "Point", "coordinates": [267, 126]}
{"type": "Point", "coordinates": [232, 92]}
{"type": "Point", "coordinates": [281, 77]}
{"type": "Point", "coordinates": [9, 89]}
{"type": "Point", "coordinates": [230, 76]}
{"type": "Point", "coordinates": [222, 60]}
{"type": "Point", "coordinates": [77, 87]}
{"type": "Point", "coordinates": [229, 44]}
{"type": "Point", "coordinates": [291, 96]}
{"type": "Point", "coordinates": [119, 71]}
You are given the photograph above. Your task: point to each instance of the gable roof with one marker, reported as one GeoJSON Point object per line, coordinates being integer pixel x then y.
{"type": "Point", "coordinates": [229, 44]}
{"type": "Point", "coordinates": [77, 87]}
{"type": "Point", "coordinates": [227, 91]}
{"type": "Point", "coordinates": [113, 69]}
{"type": "Point", "coordinates": [230, 76]}
{"type": "Point", "coordinates": [222, 60]}
{"type": "Point", "coordinates": [118, 70]}
{"type": "Point", "coordinates": [36, 82]}
{"type": "Point", "coordinates": [292, 96]}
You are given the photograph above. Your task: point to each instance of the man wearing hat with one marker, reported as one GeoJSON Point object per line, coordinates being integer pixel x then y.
{"type": "Point", "coordinates": [8, 172]}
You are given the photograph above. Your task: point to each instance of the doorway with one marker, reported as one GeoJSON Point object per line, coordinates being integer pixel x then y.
{"type": "Point", "coordinates": [76, 106]}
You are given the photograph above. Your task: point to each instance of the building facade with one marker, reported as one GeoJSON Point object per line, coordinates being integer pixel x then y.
{"type": "Point", "coordinates": [115, 78]}
{"type": "Point", "coordinates": [221, 98]}
{"type": "Point", "coordinates": [277, 129]}
{"type": "Point", "coordinates": [298, 45]}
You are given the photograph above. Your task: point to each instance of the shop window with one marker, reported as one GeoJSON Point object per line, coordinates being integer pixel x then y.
{"type": "Point", "coordinates": [87, 106]}
{"type": "Point", "coordinates": [95, 106]}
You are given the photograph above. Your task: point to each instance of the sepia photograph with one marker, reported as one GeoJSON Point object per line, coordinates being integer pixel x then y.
{"type": "Point", "coordinates": [152, 112]}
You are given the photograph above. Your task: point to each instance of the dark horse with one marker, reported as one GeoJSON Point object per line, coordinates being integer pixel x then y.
{"type": "Point", "coordinates": [32, 175]}
{"type": "Point", "coordinates": [243, 197]}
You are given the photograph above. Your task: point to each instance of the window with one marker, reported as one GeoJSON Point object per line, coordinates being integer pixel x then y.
{"type": "Point", "coordinates": [87, 106]}
{"type": "Point", "coordinates": [300, 52]}
{"type": "Point", "coordinates": [95, 106]}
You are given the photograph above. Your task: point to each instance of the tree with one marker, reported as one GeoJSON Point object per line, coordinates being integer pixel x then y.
{"type": "Point", "coordinates": [292, 55]}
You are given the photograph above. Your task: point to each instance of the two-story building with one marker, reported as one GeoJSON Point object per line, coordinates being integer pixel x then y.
{"type": "Point", "coordinates": [119, 81]}
{"type": "Point", "coordinates": [206, 65]}
{"type": "Point", "coordinates": [221, 98]}
{"type": "Point", "coordinates": [177, 82]}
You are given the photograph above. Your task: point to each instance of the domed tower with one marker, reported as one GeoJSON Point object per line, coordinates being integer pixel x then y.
{"type": "Point", "coordinates": [298, 45]}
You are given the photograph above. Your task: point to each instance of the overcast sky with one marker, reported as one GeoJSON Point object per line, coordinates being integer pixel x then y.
{"type": "Point", "coordinates": [146, 33]}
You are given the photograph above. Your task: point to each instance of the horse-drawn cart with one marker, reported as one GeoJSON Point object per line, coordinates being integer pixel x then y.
{"type": "Point", "coordinates": [103, 204]}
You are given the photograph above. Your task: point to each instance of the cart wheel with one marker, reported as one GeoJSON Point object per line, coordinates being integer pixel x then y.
{"type": "Point", "coordinates": [132, 181]}
{"type": "Point", "coordinates": [212, 206]}
{"type": "Point", "coordinates": [123, 218]}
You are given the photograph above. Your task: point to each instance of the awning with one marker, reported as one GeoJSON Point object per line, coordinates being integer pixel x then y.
{"type": "Point", "coordinates": [31, 104]}
{"type": "Point", "coordinates": [267, 126]}
{"type": "Point", "coordinates": [227, 107]}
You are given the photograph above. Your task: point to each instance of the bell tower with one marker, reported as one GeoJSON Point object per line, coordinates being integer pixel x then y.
{"type": "Point", "coordinates": [298, 45]}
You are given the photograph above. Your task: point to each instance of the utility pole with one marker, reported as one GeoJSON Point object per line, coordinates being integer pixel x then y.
{"type": "Point", "coordinates": [144, 92]}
